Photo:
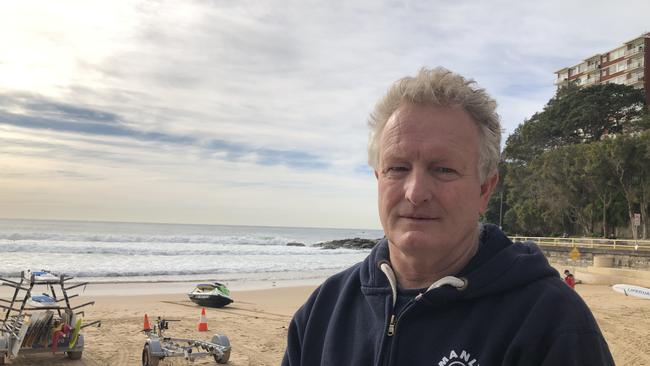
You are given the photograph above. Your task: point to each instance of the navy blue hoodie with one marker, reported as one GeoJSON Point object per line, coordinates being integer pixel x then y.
{"type": "Point", "coordinates": [507, 307]}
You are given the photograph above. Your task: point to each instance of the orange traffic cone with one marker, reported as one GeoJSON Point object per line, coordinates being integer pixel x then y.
{"type": "Point", "coordinates": [146, 327]}
{"type": "Point", "coordinates": [203, 322]}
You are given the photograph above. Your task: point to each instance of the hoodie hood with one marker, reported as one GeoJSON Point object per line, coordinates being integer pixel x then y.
{"type": "Point", "coordinates": [499, 266]}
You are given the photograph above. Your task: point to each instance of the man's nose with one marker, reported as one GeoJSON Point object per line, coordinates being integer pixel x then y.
{"type": "Point", "coordinates": [419, 187]}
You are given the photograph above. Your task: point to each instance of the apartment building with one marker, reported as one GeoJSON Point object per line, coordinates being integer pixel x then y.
{"type": "Point", "coordinates": [627, 64]}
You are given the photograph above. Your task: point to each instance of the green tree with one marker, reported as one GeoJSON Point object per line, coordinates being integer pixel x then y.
{"type": "Point", "coordinates": [629, 157]}
{"type": "Point", "coordinates": [600, 180]}
{"type": "Point", "coordinates": [643, 166]}
{"type": "Point", "coordinates": [568, 165]}
{"type": "Point", "coordinates": [577, 115]}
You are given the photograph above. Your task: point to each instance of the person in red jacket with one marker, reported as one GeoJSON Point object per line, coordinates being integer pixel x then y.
{"type": "Point", "coordinates": [569, 279]}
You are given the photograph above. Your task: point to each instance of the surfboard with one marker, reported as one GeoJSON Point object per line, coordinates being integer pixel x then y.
{"type": "Point", "coordinates": [631, 290]}
{"type": "Point", "coordinates": [21, 336]}
{"type": "Point", "coordinates": [45, 276]}
{"type": "Point", "coordinates": [75, 334]}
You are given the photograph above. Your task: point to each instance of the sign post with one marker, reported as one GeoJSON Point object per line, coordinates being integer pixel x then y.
{"type": "Point", "coordinates": [574, 254]}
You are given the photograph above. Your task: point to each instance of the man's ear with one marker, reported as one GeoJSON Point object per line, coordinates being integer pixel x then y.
{"type": "Point", "coordinates": [486, 189]}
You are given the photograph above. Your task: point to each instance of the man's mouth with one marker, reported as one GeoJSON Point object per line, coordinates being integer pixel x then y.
{"type": "Point", "coordinates": [418, 217]}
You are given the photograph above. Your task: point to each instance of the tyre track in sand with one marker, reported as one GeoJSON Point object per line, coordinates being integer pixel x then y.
{"type": "Point", "coordinates": [238, 311]}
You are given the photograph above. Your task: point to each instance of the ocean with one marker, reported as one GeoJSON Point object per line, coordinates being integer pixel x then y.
{"type": "Point", "coordinates": [137, 252]}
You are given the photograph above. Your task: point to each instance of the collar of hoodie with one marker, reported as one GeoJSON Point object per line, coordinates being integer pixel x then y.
{"type": "Point", "coordinates": [456, 282]}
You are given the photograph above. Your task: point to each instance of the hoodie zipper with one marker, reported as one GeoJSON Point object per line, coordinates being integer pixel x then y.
{"type": "Point", "coordinates": [391, 326]}
{"type": "Point", "coordinates": [387, 341]}
{"type": "Point", "coordinates": [387, 346]}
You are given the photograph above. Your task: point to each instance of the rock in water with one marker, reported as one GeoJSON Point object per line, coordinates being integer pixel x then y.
{"type": "Point", "coordinates": [356, 243]}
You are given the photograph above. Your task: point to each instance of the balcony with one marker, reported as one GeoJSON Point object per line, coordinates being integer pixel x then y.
{"type": "Point", "coordinates": [562, 81]}
{"type": "Point", "coordinates": [634, 52]}
{"type": "Point", "coordinates": [635, 65]}
{"type": "Point", "coordinates": [590, 81]}
{"type": "Point", "coordinates": [634, 80]}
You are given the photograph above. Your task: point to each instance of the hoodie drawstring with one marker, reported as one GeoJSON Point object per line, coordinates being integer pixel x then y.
{"type": "Point", "coordinates": [388, 271]}
{"type": "Point", "coordinates": [458, 283]}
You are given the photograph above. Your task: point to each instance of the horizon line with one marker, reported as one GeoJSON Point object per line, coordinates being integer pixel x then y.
{"type": "Point", "coordinates": [187, 224]}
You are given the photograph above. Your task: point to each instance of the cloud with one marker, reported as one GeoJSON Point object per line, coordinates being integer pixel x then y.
{"type": "Point", "coordinates": [42, 114]}
{"type": "Point", "coordinates": [209, 96]}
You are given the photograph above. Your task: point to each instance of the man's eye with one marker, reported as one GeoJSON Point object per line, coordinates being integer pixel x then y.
{"type": "Point", "coordinates": [395, 171]}
{"type": "Point", "coordinates": [445, 170]}
{"type": "Point", "coordinates": [446, 174]}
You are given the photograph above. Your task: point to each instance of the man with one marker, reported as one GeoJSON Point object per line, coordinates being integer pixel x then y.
{"type": "Point", "coordinates": [440, 289]}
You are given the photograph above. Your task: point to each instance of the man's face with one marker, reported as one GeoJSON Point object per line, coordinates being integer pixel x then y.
{"type": "Point", "coordinates": [430, 195]}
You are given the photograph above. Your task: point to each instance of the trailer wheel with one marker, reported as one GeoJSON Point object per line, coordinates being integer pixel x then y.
{"type": "Point", "coordinates": [2, 359]}
{"type": "Point", "coordinates": [223, 341]}
{"type": "Point", "coordinates": [147, 358]}
{"type": "Point", "coordinates": [224, 358]}
{"type": "Point", "coordinates": [74, 355]}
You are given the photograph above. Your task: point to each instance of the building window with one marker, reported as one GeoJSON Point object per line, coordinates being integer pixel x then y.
{"type": "Point", "coordinates": [618, 53]}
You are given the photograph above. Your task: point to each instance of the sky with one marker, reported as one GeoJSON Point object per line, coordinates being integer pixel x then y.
{"type": "Point", "coordinates": [251, 112]}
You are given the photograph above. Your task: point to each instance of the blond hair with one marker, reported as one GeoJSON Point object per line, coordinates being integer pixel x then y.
{"type": "Point", "coordinates": [441, 87]}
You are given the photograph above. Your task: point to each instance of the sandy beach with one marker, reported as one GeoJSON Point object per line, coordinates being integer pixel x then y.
{"type": "Point", "coordinates": [256, 323]}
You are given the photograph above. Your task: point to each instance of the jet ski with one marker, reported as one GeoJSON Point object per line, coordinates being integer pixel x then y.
{"type": "Point", "coordinates": [213, 294]}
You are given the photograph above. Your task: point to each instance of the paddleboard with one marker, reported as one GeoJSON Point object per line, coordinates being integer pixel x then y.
{"type": "Point", "coordinates": [38, 301]}
{"type": "Point", "coordinates": [631, 290]}
{"type": "Point", "coordinates": [45, 276]}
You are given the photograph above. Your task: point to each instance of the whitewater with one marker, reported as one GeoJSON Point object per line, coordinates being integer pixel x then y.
{"type": "Point", "coordinates": [136, 252]}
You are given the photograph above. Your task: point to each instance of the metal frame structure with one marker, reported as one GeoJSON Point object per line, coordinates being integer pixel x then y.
{"type": "Point", "coordinates": [26, 328]}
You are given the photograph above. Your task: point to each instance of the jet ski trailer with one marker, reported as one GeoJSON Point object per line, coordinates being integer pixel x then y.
{"type": "Point", "coordinates": [158, 346]}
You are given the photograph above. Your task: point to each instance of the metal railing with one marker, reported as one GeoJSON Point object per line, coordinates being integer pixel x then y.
{"type": "Point", "coordinates": [635, 65]}
{"type": "Point", "coordinates": [599, 243]}
{"type": "Point", "coordinates": [634, 80]}
{"type": "Point", "coordinates": [633, 51]}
